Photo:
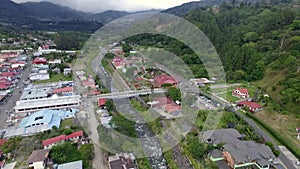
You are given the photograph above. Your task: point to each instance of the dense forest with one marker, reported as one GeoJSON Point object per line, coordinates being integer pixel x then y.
{"type": "Point", "coordinates": [253, 41]}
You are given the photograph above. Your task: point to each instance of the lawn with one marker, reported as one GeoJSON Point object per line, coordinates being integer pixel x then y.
{"type": "Point", "coordinates": [66, 123]}
{"type": "Point", "coordinates": [55, 78]}
{"type": "Point", "coordinates": [228, 96]}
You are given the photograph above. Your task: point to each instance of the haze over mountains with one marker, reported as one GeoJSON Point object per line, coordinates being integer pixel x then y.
{"type": "Point", "coordinates": [49, 16]}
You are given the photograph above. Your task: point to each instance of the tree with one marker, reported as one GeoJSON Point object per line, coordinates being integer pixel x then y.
{"type": "Point", "coordinates": [109, 105]}
{"type": "Point", "coordinates": [87, 151]}
{"type": "Point", "coordinates": [174, 93]}
{"type": "Point", "coordinates": [126, 48]}
{"type": "Point", "coordinates": [197, 149]}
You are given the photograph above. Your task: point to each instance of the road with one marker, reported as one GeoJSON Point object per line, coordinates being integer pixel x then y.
{"type": "Point", "coordinates": [9, 103]}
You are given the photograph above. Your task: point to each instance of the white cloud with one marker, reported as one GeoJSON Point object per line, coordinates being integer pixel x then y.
{"type": "Point", "coordinates": [125, 5]}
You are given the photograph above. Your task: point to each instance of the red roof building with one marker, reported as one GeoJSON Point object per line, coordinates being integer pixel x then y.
{"type": "Point", "coordinates": [39, 61]}
{"type": "Point", "coordinates": [94, 92]}
{"type": "Point", "coordinates": [8, 74]}
{"type": "Point", "coordinates": [2, 141]}
{"type": "Point", "coordinates": [240, 92]}
{"type": "Point", "coordinates": [75, 135]}
{"type": "Point", "coordinates": [55, 140]}
{"type": "Point", "coordinates": [63, 90]}
{"type": "Point", "coordinates": [253, 106]}
{"type": "Point", "coordinates": [101, 102]}
{"type": "Point", "coordinates": [170, 108]}
{"type": "Point", "coordinates": [4, 87]}
{"type": "Point", "coordinates": [165, 79]}
{"type": "Point", "coordinates": [52, 141]}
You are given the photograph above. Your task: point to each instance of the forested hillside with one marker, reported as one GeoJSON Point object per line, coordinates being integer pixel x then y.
{"type": "Point", "coordinates": [255, 41]}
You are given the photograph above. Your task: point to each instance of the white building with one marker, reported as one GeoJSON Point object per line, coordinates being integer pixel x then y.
{"type": "Point", "coordinates": [39, 76]}
{"type": "Point", "coordinates": [23, 107]}
{"type": "Point", "coordinates": [37, 159]}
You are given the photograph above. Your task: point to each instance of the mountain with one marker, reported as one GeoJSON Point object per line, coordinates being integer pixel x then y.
{"type": "Point", "coordinates": [191, 6]}
{"type": "Point", "coordinates": [51, 11]}
{"type": "Point", "coordinates": [107, 16]}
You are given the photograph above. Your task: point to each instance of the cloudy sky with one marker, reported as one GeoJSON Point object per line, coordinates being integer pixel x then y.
{"type": "Point", "coordinates": [124, 5]}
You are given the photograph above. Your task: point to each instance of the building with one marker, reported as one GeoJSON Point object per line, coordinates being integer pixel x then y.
{"type": "Point", "coordinates": [164, 79]}
{"type": "Point", "coordinates": [122, 161]}
{"type": "Point", "coordinates": [35, 94]}
{"type": "Point", "coordinates": [101, 103]}
{"type": "Point", "coordinates": [240, 92]}
{"type": "Point", "coordinates": [202, 81]}
{"type": "Point", "coordinates": [39, 61]}
{"type": "Point", "coordinates": [54, 61]}
{"type": "Point", "coordinates": [75, 137]}
{"type": "Point", "coordinates": [38, 159]}
{"type": "Point", "coordinates": [39, 76]}
{"type": "Point", "coordinates": [39, 122]}
{"type": "Point", "coordinates": [23, 107]}
{"type": "Point", "coordinates": [49, 143]}
{"type": "Point", "coordinates": [252, 106]}
{"type": "Point", "coordinates": [18, 64]}
{"type": "Point", "coordinates": [47, 117]}
{"type": "Point", "coordinates": [236, 152]}
{"type": "Point", "coordinates": [71, 165]}
{"type": "Point", "coordinates": [66, 91]}
{"type": "Point", "coordinates": [67, 71]}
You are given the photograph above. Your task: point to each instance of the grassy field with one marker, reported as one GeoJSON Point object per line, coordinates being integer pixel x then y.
{"type": "Point", "coordinates": [55, 78]}
{"type": "Point", "coordinates": [66, 123]}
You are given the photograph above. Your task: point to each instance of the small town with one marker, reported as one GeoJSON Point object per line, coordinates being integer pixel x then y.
{"type": "Point", "coordinates": [71, 100]}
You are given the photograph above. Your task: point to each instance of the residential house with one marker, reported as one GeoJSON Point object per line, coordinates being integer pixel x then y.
{"type": "Point", "coordinates": [56, 70]}
{"type": "Point", "coordinates": [18, 64]}
{"type": "Point", "coordinates": [101, 103]}
{"type": "Point", "coordinates": [236, 152]}
{"type": "Point", "coordinates": [39, 61]}
{"type": "Point", "coordinates": [240, 92]}
{"type": "Point", "coordinates": [67, 71]}
{"type": "Point", "coordinates": [38, 159]}
{"type": "Point", "coordinates": [74, 137]}
{"type": "Point", "coordinates": [64, 91]}
{"type": "Point", "coordinates": [54, 61]}
{"type": "Point", "coordinates": [252, 106]}
{"type": "Point", "coordinates": [71, 165]}
{"type": "Point", "coordinates": [122, 161]}
{"type": "Point", "coordinates": [164, 79]}
{"type": "Point", "coordinates": [49, 143]}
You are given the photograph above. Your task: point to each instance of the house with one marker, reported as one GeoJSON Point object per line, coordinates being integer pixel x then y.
{"type": "Point", "coordinates": [252, 106]}
{"type": "Point", "coordinates": [164, 79]}
{"type": "Point", "coordinates": [2, 163]}
{"type": "Point", "coordinates": [122, 161]}
{"type": "Point", "coordinates": [54, 61]}
{"type": "Point", "coordinates": [235, 152]}
{"type": "Point", "coordinates": [38, 159]}
{"type": "Point", "coordinates": [71, 165]}
{"type": "Point", "coordinates": [49, 143]}
{"type": "Point", "coordinates": [64, 91]}
{"type": "Point", "coordinates": [56, 70]}
{"type": "Point", "coordinates": [202, 81]}
{"type": "Point", "coordinates": [2, 141]}
{"type": "Point", "coordinates": [18, 64]}
{"type": "Point", "coordinates": [67, 71]}
{"type": "Point", "coordinates": [101, 103]}
{"type": "Point", "coordinates": [240, 92]}
{"type": "Point", "coordinates": [75, 136]}
{"type": "Point", "coordinates": [39, 61]}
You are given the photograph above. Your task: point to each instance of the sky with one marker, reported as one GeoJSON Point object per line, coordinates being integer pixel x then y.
{"type": "Point", "coordinates": [121, 5]}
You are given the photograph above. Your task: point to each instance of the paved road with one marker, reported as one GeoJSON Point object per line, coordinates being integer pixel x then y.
{"type": "Point", "coordinates": [10, 102]}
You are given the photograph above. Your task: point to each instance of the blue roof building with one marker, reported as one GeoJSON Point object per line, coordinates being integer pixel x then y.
{"type": "Point", "coordinates": [40, 121]}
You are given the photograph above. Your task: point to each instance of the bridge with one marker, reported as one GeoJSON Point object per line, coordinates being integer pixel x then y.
{"type": "Point", "coordinates": [128, 94]}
